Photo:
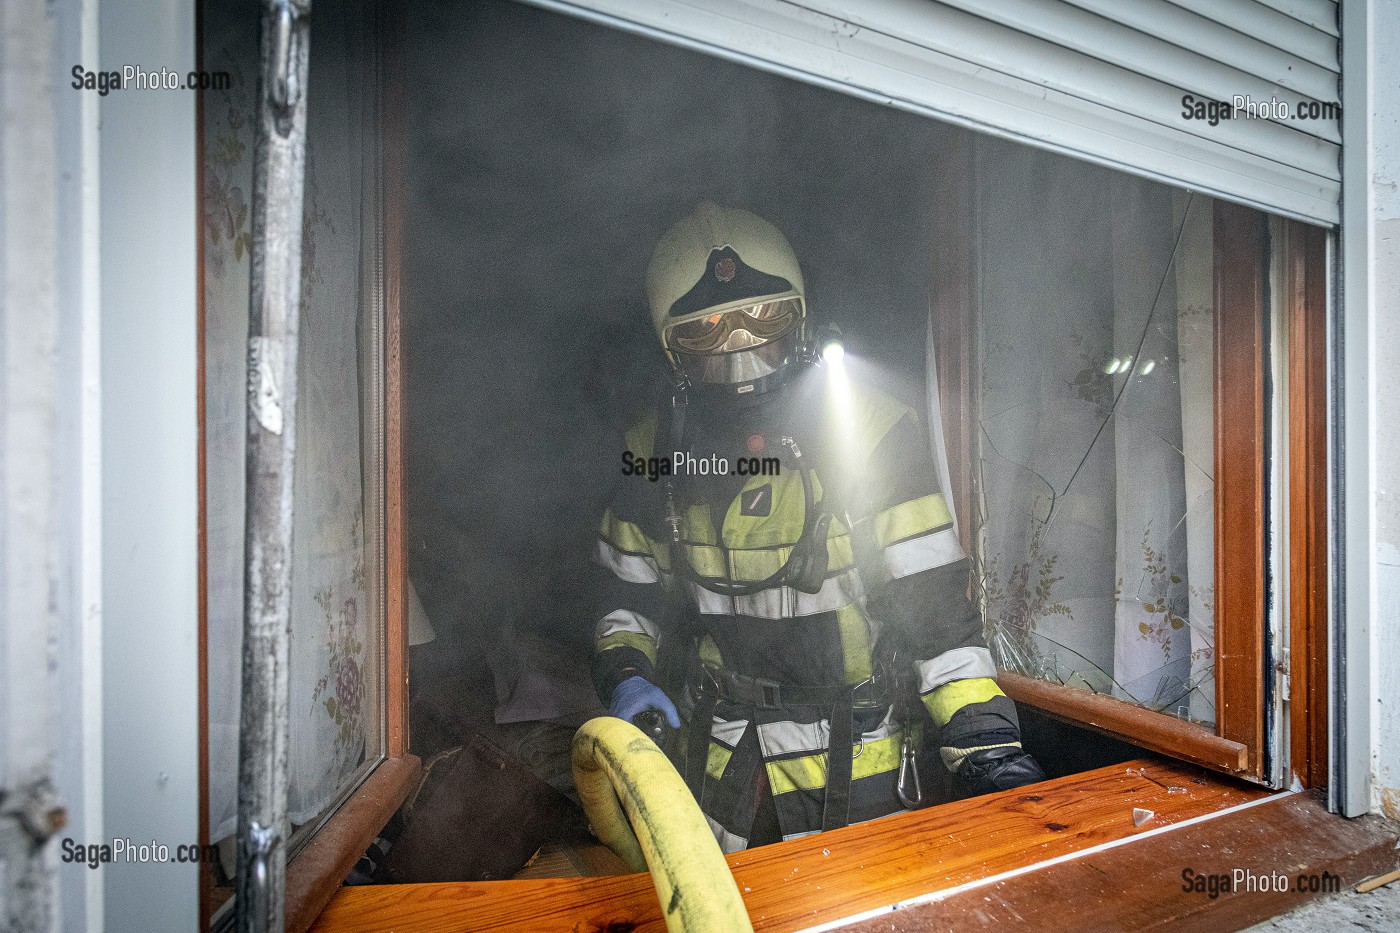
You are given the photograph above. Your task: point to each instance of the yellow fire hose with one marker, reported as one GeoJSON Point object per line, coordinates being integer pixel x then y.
{"type": "Point", "coordinates": [641, 809]}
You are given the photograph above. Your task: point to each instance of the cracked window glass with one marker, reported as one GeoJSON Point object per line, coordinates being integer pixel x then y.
{"type": "Point", "coordinates": [1093, 448]}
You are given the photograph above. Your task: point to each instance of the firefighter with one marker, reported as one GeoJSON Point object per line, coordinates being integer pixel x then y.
{"type": "Point", "coordinates": [786, 560]}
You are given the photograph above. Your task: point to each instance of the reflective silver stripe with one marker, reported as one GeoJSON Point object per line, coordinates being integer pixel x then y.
{"type": "Point", "coordinates": [788, 738]}
{"type": "Point", "coordinates": [782, 602]}
{"type": "Point", "coordinates": [810, 832]}
{"type": "Point", "coordinates": [728, 842]}
{"type": "Point", "coordinates": [728, 732]}
{"type": "Point", "coordinates": [630, 568]}
{"type": "Point", "coordinates": [923, 553]}
{"type": "Point", "coordinates": [957, 664]}
{"type": "Point", "coordinates": [625, 620]}
{"type": "Point", "coordinates": [808, 738]}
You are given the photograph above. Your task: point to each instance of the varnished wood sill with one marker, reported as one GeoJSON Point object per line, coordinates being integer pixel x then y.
{"type": "Point", "coordinates": [1139, 885]}
{"type": "Point", "coordinates": [910, 862]}
{"type": "Point", "coordinates": [315, 875]}
{"type": "Point", "coordinates": [1157, 732]}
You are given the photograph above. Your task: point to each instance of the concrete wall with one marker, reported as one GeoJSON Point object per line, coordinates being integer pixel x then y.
{"type": "Point", "coordinates": [28, 411]}
{"type": "Point", "coordinates": [1386, 189]}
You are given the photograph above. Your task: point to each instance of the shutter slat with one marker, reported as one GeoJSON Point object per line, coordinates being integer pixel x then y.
{"type": "Point", "coordinates": [1319, 14]}
{"type": "Point", "coordinates": [1250, 51]}
{"type": "Point", "coordinates": [1267, 24]}
{"type": "Point", "coordinates": [1141, 54]}
{"type": "Point", "coordinates": [1081, 97]}
{"type": "Point", "coordinates": [908, 25]}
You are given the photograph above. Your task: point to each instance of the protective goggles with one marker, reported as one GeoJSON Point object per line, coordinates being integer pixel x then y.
{"type": "Point", "coordinates": [736, 329]}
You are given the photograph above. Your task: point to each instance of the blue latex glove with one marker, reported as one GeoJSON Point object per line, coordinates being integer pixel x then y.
{"type": "Point", "coordinates": [637, 695]}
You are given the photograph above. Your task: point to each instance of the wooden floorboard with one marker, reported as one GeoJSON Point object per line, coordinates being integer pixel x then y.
{"type": "Point", "coordinates": [837, 875]}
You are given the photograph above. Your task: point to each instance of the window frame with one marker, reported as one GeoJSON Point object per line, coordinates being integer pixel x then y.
{"type": "Point", "coordinates": [1242, 251]}
{"type": "Point", "coordinates": [317, 870]}
{"type": "Point", "coordinates": [1245, 251]}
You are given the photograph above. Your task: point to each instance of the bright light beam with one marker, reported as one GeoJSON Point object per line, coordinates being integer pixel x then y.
{"type": "Point", "coordinates": [841, 405]}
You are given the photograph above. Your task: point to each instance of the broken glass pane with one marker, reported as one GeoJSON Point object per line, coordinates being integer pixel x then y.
{"type": "Point", "coordinates": [1094, 448]}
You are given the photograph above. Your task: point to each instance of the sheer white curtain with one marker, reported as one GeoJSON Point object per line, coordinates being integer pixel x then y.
{"type": "Point", "coordinates": [1195, 327]}
{"type": "Point", "coordinates": [1093, 454]}
{"type": "Point", "coordinates": [335, 649]}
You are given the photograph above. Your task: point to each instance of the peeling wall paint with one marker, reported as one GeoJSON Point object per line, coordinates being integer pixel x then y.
{"type": "Point", "coordinates": [28, 403]}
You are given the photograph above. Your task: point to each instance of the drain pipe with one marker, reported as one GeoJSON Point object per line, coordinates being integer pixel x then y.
{"type": "Point", "coordinates": [273, 313]}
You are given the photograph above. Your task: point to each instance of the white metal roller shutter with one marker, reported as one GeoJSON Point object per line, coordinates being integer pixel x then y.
{"type": "Point", "coordinates": [1099, 79]}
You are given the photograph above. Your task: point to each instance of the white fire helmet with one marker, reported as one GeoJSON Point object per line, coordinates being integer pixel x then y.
{"type": "Point", "coordinates": [726, 298]}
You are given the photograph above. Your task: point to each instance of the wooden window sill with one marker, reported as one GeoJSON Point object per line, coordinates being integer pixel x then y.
{"type": "Point", "coordinates": [315, 875]}
{"type": "Point", "coordinates": [1157, 732]}
{"type": "Point", "coordinates": [968, 849]}
{"type": "Point", "coordinates": [1138, 886]}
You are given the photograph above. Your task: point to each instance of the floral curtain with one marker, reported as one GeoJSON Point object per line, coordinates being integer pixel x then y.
{"type": "Point", "coordinates": [1094, 455]}
{"type": "Point", "coordinates": [335, 652]}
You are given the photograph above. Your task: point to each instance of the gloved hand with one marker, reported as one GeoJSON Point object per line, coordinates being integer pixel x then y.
{"type": "Point", "coordinates": [992, 769]}
{"type": "Point", "coordinates": [637, 695]}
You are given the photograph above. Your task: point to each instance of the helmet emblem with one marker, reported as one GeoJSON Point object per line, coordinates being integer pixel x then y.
{"type": "Point", "coordinates": [725, 269]}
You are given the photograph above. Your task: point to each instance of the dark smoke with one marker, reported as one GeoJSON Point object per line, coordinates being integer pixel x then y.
{"type": "Point", "coordinates": [547, 156]}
